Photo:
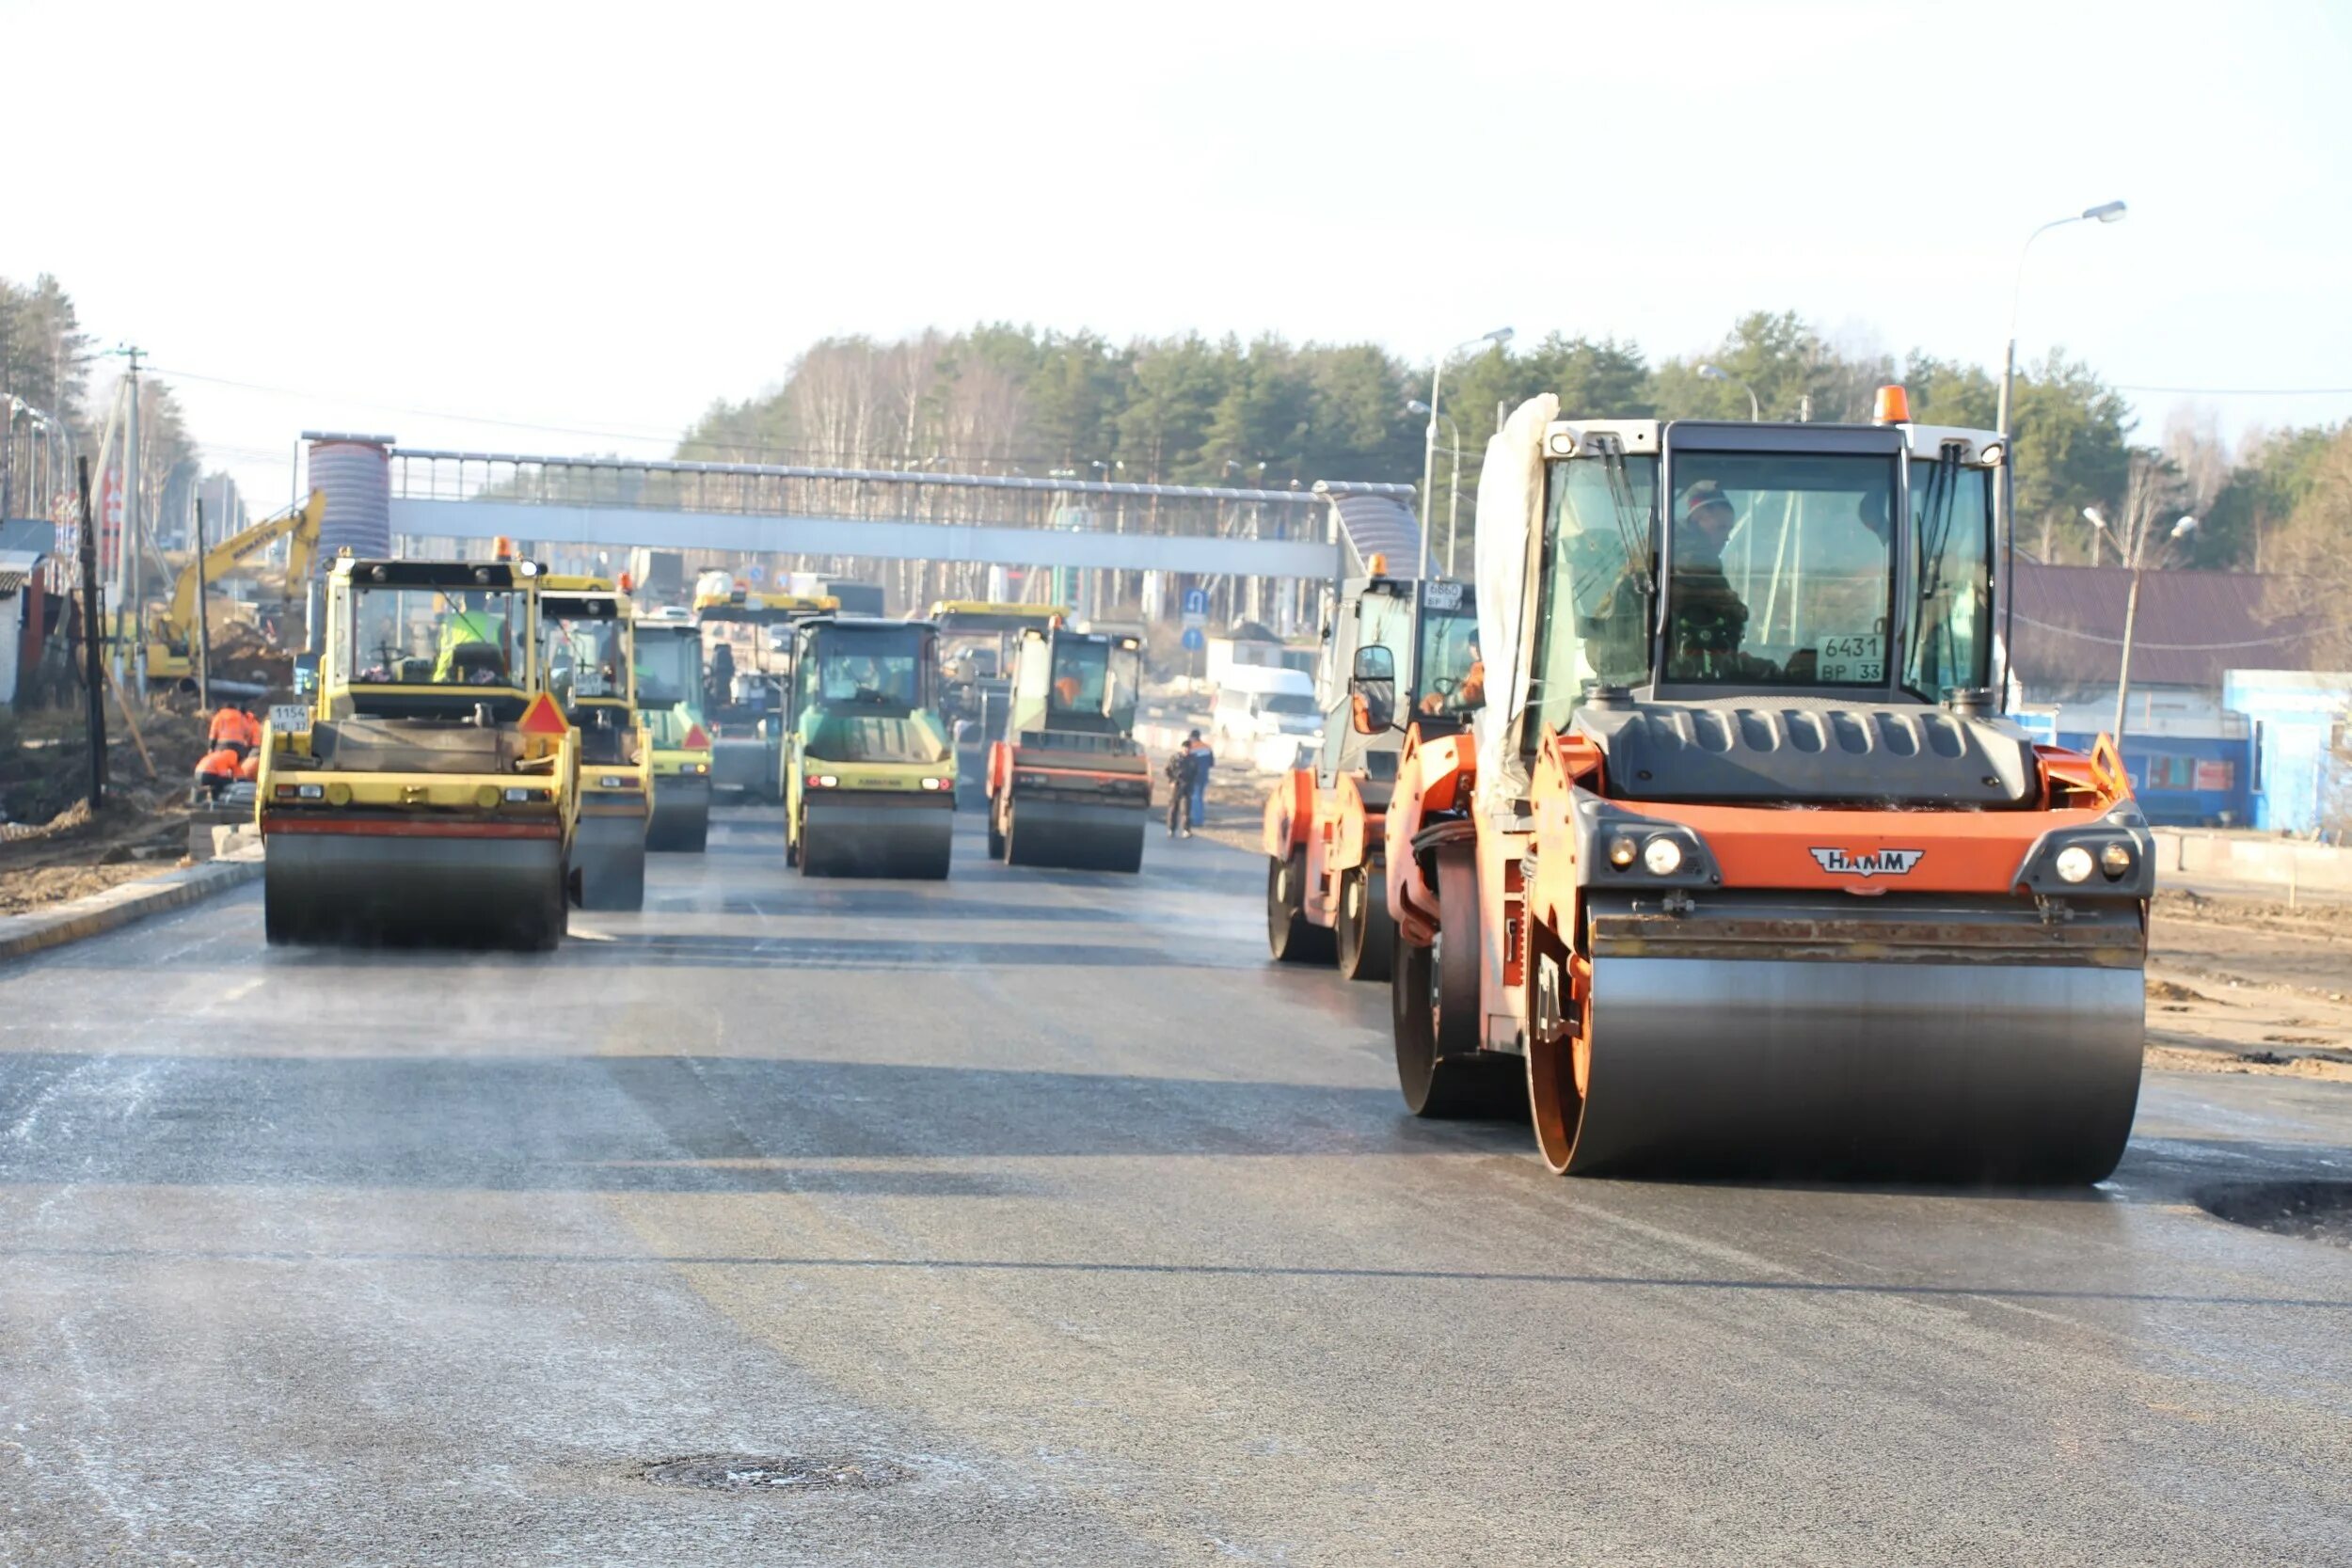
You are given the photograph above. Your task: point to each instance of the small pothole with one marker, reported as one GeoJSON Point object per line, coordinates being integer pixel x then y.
{"type": "Point", "coordinates": [754, 1472]}
{"type": "Point", "coordinates": [2307, 1211]}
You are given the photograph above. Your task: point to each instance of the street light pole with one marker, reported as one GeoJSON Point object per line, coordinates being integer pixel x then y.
{"type": "Point", "coordinates": [1453, 481]}
{"type": "Point", "coordinates": [2106, 212]}
{"type": "Point", "coordinates": [1499, 337]}
{"type": "Point", "coordinates": [1716, 372]}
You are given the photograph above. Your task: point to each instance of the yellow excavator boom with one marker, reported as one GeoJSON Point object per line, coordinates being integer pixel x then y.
{"type": "Point", "coordinates": [300, 529]}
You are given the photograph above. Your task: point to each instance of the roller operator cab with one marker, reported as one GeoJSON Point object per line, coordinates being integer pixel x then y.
{"type": "Point", "coordinates": [1739, 868]}
{"type": "Point", "coordinates": [1401, 658]}
{"type": "Point", "coordinates": [428, 794]}
{"type": "Point", "coordinates": [592, 671]}
{"type": "Point", "coordinates": [977, 641]}
{"type": "Point", "coordinates": [1066, 783]}
{"type": "Point", "coordinates": [747, 655]}
{"type": "Point", "coordinates": [869, 773]}
{"type": "Point", "coordinates": [670, 704]}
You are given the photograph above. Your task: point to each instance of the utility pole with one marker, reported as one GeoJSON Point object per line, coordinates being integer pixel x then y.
{"type": "Point", "coordinates": [203, 622]}
{"type": "Point", "coordinates": [133, 609]}
{"type": "Point", "coordinates": [93, 662]}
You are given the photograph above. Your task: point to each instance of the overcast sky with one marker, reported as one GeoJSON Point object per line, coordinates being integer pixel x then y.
{"type": "Point", "coordinates": [589, 222]}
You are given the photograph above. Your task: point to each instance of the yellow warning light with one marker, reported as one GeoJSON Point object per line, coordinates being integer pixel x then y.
{"type": "Point", "coordinates": [1891, 406]}
{"type": "Point", "coordinates": [503, 549]}
{"type": "Point", "coordinates": [1379, 565]}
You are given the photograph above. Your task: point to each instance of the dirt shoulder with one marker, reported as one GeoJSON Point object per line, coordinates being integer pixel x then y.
{"type": "Point", "coordinates": [50, 852]}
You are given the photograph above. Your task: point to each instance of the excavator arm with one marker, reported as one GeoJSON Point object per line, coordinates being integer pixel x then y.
{"type": "Point", "coordinates": [301, 528]}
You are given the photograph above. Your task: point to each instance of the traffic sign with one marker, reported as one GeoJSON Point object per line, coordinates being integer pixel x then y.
{"type": "Point", "coordinates": [1194, 641]}
{"type": "Point", "coordinates": [1196, 607]}
{"type": "Point", "coordinates": [756, 573]}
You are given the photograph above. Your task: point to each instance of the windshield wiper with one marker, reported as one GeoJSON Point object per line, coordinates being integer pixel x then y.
{"type": "Point", "coordinates": [1632, 523]}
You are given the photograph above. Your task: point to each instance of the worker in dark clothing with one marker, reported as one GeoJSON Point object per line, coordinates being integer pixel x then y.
{"type": "Point", "coordinates": [721, 691]}
{"type": "Point", "coordinates": [1709, 619]}
{"type": "Point", "coordinates": [1184, 768]}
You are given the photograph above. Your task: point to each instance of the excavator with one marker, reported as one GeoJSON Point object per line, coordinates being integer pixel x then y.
{"type": "Point", "coordinates": [428, 792]}
{"type": "Point", "coordinates": [590, 633]}
{"type": "Point", "coordinates": [670, 706]}
{"type": "Point", "coordinates": [1739, 870]}
{"type": "Point", "coordinates": [1066, 783]}
{"type": "Point", "coordinates": [869, 773]}
{"type": "Point", "coordinates": [242, 657]}
{"type": "Point", "coordinates": [1327, 892]}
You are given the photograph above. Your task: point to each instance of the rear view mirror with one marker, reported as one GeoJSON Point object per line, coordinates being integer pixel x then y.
{"type": "Point", "coordinates": [1372, 690]}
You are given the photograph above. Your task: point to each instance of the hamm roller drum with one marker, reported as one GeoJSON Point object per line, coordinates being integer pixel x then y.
{"type": "Point", "coordinates": [2021, 1066]}
{"type": "Point", "coordinates": [849, 838]}
{"type": "Point", "coordinates": [1074, 835]}
{"type": "Point", "coordinates": [414, 890]}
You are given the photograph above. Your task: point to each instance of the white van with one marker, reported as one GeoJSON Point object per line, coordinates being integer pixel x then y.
{"type": "Point", "coordinates": [1265, 708]}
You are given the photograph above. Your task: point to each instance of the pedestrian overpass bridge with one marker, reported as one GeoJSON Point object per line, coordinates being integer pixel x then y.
{"type": "Point", "coordinates": [437, 498]}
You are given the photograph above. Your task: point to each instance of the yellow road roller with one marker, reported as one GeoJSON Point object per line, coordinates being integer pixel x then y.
{"type": "Point", "coordinates": [592, 671]}
{"type": "Point", "coordinates": [429, 792]}
{"type": "Point", "coordinates": [869, 774]}
{"type": "Point", "coordinates": [670, 704]}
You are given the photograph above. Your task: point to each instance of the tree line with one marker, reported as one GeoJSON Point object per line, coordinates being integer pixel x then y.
{"type": "Point", "coordinates": [1267, 412]}
{"type": "Point", "coordinates": [47, 362]}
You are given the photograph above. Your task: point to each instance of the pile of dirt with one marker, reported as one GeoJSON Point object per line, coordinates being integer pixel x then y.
{"type": "Point", "coordinates": [37, 888]}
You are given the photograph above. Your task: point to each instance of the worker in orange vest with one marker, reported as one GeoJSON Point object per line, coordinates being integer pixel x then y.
{"type": "Point", "coordinates": [250, 769]}
{"type": "Point", "coordinates": [216, 770]}
{"type": "Point", "coordinates": [250, 728]}
{"type": "Point", "coordinates": [228, 727]}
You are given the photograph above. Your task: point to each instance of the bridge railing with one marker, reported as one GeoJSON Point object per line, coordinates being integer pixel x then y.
{"type": "Point", "coordinates": [913, 495]}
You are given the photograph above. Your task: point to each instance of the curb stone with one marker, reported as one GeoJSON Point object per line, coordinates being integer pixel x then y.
{"type": "Point", "coordinates": [79, 919]}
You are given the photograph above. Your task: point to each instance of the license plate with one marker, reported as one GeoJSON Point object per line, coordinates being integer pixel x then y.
{"type": "Point", "coordinates": [1846, 660]}
{"type": "Point", "coordinates": [288, 717]}
{"type": "Point", "coordinates": [1441, 595]}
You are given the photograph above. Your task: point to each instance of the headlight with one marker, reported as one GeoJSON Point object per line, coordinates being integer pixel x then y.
{"type": "Point", "coordinates": [1664, 857]}
{"type": "Point", "coordinates": [934, 783]}
{"type": "Point", "coordinates": [2115, 860]}
{"type": "Point", "coordinates": [516, 796]}
{"type": "Point", "coordinates": [609, 781]}
{"type": "Point", "coordinates": [826, 781]}
{"type": "Point", "coordinates": [1622, 850]}
{"type": "Point", "coordinates": [309, 792]}
{"type": "Point", "coordinates": [2074, 863]}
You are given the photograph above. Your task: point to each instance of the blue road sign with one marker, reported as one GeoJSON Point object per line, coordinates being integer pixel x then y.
{"type": "Point", "coordinates": [1194, 641]}
{"type": "Point", "coordinates": [755, 573]}
{"type": "Point", "coordinates": [1197, 601]}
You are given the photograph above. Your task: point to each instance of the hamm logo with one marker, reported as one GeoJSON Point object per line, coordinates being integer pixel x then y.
{"type": "Point", "coordinates": [1880, 863]}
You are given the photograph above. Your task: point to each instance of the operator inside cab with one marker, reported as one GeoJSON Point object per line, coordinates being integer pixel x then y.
{"type": "Point", "coordinates": [474, 643]}
{"type": "Point", "coordinates": [1709, 618]}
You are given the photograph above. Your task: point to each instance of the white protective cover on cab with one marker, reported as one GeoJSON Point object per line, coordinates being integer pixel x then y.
{"type": "Point", "coordinates": [1510, 535]}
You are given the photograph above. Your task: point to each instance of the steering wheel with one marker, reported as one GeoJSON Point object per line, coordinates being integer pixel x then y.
{"type": "Point", "coordinates": [1445, 686]}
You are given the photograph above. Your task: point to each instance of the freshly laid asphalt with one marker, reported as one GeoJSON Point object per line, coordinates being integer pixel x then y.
{"type": "Point", "coordinates": [1044, 1207]}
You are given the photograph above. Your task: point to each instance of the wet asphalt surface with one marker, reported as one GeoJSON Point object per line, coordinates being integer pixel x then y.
{"type": "Point", "coordinates": [1035, 1219]}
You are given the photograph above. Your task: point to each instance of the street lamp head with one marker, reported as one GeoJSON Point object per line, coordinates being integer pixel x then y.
{"type": "Point", "coordinates": [2091, 515]}
{"type": "Point", "coordinates": [2106, 212]}
{"type": "Point", "coordinates": [1712, 372]}
{"type": "Point", "coordinates": [1499, 336]}
{"type": "Point", "coordinates": [1415, 405]}
{"type": "Point", "coordinates": [2186, 527]}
